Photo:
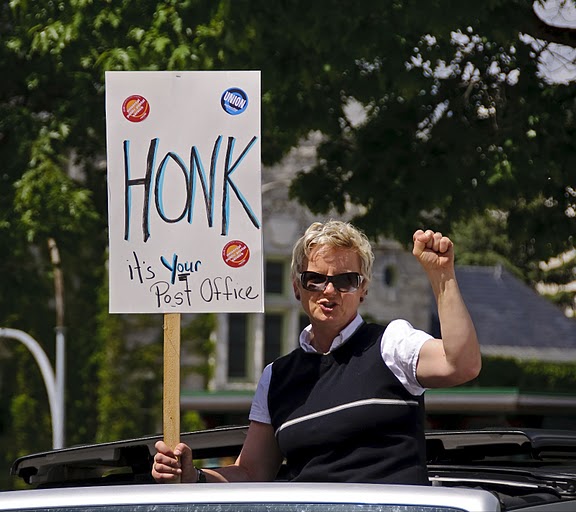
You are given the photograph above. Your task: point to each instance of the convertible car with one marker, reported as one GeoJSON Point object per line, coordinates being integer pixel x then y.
{"type": "Point", "coordinates": [470, 470]}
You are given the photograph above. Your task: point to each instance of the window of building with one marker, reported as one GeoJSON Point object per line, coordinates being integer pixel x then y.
{"type": "Point", "coordinates": [237, 346]}
{"type": "Point", "coordinates": [255, 340]}
{"type": "Point", "coordinates": [273, 336]}
{"type": "Point", "coordinates": [274, 277]}
{"type": "Point", "coordinates": [390, 275]}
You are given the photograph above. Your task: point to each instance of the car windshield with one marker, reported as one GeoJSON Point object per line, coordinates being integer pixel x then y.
{"type": "Point", "coordinates": [251, 507]}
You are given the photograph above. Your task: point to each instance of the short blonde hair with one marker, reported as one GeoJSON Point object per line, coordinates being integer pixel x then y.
{"type": "Point", "coordinates": [333, 233]}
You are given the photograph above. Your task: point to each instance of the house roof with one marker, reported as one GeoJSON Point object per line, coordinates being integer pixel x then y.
{"type": "Point", "coordinates": [512, 319]}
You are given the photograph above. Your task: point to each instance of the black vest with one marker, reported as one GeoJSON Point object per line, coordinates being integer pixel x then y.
{"type": "Point", "coordinates": [345, 417]}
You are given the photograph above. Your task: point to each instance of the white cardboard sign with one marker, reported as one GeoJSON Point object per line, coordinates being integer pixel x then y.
{"type": "Point", "coordinates": [184, 191]}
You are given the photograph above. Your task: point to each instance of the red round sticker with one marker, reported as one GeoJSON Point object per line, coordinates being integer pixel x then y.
{"type": "Point", "coordinates": [135, 108]}
{"type": "Point", "coordinates": [235, 254]}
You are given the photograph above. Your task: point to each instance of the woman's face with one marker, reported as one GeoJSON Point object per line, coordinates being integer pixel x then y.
{"type": "Point", "coordinates": [331, 308]}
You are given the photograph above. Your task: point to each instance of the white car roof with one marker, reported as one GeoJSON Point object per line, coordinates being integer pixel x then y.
{"type": "Point", "coordinates": [257, 493]}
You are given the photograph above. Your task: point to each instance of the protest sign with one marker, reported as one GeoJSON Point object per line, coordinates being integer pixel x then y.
{"type": "Point", "coordinates": [184, 202]}
{"type": "Point", "coordinates": [184, 190]}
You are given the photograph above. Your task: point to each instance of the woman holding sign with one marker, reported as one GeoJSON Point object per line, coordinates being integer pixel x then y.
{"type": "Point", "coordinates": [347, 405]}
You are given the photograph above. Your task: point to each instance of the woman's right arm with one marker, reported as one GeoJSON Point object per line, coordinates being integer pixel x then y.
{"type": "Point", "coordinates": [259, 460]}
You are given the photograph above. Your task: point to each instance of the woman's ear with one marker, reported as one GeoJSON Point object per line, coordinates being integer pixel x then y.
{"type": "Point", "coordinates": [296, 290]}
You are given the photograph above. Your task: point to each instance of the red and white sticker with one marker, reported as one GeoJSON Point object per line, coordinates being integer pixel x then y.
{"type": "Point", "coordinates": [135, 108]}
{"type": "Point", "coordinates": [235, 254]}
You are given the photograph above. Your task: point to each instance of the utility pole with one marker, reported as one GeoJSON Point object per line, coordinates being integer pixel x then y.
{"type": "Point", "coordinates": [60, 331]}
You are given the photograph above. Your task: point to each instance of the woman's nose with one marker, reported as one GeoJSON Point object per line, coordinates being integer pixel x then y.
{"type": "Point", "coordinates": [329, 290]}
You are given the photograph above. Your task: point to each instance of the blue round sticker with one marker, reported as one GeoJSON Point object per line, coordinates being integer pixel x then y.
{"type": "Point", "coordinates": [234, 101]}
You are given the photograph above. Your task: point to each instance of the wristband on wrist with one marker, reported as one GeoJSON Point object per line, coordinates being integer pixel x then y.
{"type": "Point", "coordinates": [201, 476]}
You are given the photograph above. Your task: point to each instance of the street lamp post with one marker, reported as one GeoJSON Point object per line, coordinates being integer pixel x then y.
{"type": "Point", "coordinates": [54, 381]}
{"type": "Point", "coordinates": [60, 329]}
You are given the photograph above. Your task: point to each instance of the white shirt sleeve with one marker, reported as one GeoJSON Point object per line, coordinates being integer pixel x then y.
{"type": "Point", "coordinates": [259, 409]}
{"type": "Point", "coordinates": [400, 347]}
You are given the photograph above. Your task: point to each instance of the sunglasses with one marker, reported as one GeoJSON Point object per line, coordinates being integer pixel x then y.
{"type": "Point", "coordinates": [345, 283]}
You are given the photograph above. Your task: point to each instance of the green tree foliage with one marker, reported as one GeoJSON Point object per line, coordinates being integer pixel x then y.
{"type": "Point", "coordinates": [482, 240]}
{"type": "Point", "coordinates": [129, 375]}
{"type": "Point", "coordinates": [198, 338]}
{"type": "Point", "coordinates": [460, 119]}
{"type": "Point", "coordinates": [26, 411]}
{"type": "Point", "coordinates": [528, 376]}
{"type": "Point", "coordinates": [556, 280]}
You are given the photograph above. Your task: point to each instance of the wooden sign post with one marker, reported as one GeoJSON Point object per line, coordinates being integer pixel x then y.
{"type": "Point", "coordinates": [184, 211]}
{"type": "Point", "coordinates": [171, 394]}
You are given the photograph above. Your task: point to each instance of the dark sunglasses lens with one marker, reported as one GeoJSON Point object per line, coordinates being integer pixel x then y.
{"type": "Point", "coordinates": [346, 282]}
{"type": "Point", "coordinates": [312, 281]}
